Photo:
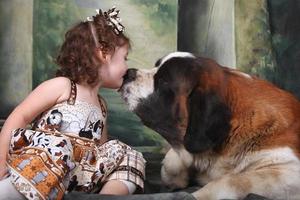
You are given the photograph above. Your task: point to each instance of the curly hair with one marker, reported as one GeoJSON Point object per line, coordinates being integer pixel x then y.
{"type": "Point", "coordinates": [77, 59]}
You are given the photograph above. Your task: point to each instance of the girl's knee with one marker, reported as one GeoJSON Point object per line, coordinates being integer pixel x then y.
{"type": "Point", "coordinates": [8, 190]}
{"type": "Point", "coordinates": [118, 187]}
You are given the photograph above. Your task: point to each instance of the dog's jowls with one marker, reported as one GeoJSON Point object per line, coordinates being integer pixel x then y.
{"type": "Point", "coordinates": [239, 133]}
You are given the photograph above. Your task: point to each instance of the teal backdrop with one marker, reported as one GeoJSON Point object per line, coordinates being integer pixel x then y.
{"type": "Point", "coordinates": [260, 37]}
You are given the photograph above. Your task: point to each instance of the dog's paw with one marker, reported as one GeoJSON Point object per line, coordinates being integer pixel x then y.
{"type": "Point", "coordinates": [174, 181]}
{"type": "Point", "coordinates": [174, 173]}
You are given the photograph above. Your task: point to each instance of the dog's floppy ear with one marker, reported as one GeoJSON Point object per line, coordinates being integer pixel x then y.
{"type": "Point", "coordinates": [208, 121]}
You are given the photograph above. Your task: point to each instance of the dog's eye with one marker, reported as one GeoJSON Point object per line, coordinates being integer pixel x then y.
{"type": "Point", "coordinates": [162, 82]}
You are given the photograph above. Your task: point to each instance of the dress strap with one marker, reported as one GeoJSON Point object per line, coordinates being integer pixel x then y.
{"type": "Point", "coordinates": [73, 93]}
{"type": "Point", "coordinates": [102, 105]}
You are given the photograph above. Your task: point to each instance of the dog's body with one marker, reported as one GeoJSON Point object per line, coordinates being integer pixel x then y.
{"type": "Point", "coordinates": [239, 134]}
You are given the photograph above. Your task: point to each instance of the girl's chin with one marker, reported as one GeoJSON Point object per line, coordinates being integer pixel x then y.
{"type": "Point", "coordinates": [115, 86]}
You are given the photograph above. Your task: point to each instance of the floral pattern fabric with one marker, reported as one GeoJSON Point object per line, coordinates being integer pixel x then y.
{"type": "Point", "coordinates": [62, 153]}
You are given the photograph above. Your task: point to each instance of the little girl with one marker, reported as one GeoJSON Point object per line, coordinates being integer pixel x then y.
{"type": "Point", "coordinates": [68, 149]}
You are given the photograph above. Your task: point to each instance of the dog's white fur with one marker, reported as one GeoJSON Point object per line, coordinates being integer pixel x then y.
{"type": "Point", "coordinates": [274, 173]}
{"type": "Point", "coordinates": [144, 85]}
{"type": "Point", "coordinates": [176, 55]}
{"type": "Point", "coordinates": [219, 173]}
{"type": "Point", "coordinates": [141, 88]}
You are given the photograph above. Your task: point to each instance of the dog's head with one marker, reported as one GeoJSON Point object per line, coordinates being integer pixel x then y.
{"type": "Point", "coordinates": [180, 100]}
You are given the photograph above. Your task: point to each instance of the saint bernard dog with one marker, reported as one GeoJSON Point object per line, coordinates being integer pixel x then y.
{"type": "Point", "coordinates": [237, 133]}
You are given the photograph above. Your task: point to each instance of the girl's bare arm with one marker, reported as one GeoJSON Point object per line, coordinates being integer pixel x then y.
{"type": "Point", "coordinates": [40, 99]}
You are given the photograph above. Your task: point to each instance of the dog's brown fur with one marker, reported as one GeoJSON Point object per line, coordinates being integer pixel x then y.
{"type": "Point", "coordinates": [240, 133]}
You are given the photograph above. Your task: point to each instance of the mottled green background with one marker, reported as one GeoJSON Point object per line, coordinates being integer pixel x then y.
{"type": "Point", "coordinates": [260, 37]}
{"type": "Point", "coordinates": [145, 23]}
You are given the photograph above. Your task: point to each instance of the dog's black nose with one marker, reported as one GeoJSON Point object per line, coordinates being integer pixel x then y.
{"type": "Point", "coordinates": [130, 75]}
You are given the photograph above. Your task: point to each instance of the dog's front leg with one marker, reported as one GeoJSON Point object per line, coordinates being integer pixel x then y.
{"type": "Point", "coordinates": [277, 183]}
{"type": "Point", "coordinates": [174, 171]}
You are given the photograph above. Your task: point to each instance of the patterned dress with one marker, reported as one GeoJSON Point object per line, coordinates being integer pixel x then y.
{"type": "Point", "coordinates": [62, 153]}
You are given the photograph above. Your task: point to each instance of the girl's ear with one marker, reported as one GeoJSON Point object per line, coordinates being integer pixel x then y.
{"type": "Point", "coordinates": [101, 55]}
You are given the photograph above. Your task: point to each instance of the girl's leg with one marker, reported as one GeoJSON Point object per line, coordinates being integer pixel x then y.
{"type": "Point", "coordinates": [8, 191]}
{"type": "Point", "coordinates": [118, 187]}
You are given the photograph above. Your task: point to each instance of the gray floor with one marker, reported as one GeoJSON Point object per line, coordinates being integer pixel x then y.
{"type": "Point", "coordinates": [153, 187]}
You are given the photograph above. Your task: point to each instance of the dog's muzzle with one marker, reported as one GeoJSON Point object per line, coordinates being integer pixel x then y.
{"type": "Point", "coordinates": [129, 76]}
{"type": "Point", "coordinates": [124, 90]}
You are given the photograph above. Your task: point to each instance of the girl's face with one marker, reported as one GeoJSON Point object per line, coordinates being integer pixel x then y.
{"type": "Point", "coordinates": [115, 67]}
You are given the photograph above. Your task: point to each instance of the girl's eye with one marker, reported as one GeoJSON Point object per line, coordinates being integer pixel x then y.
{"type": "Point", "coordinates": [126, 58]}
